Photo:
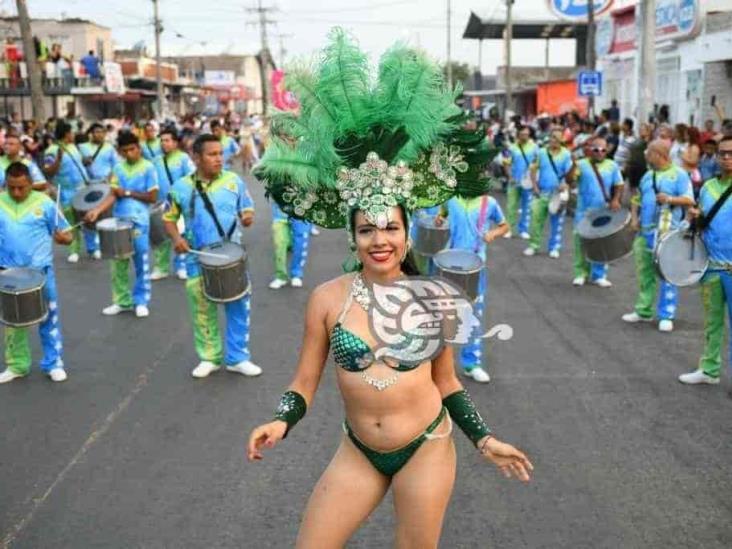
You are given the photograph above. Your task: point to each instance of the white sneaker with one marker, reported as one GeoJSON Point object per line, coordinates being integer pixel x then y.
{"type": "Point", "coordinates": [115, 309]}
{"type": "Point", "coordinates": [314, 231]}
{"type": "Point", "coordinates": [296, 282]}
{"type": "Point", "coordinates": [8, 375]}
{"type": "Point", "coordinates": [73, 258]}
{"type": "Point", "coordinates": [277, 283]}
{"type": "Point", "coordinates": [478, 374]}
{"type": "Point", "coordinates": [246, 368]}
{"type": "Point", "coordinates": [528, 252]}
{"type": "Point", "coordinates": [698, 377]}
{"type": "Point", "coordinates": [96, 255]}
{"type": "Point", "coordinates": [578, 281]}
{"type": "Point", "coordinates": [508, 235]}
{"type": "Point", "coordinates": [157, 274]}
{"type": "Point", "coordinates": [554, 254]}
{"type": "Point", "coordinates": [603, 283]}
{"type": "Point", "coordinates": [204, 369]}
{"type": "Point", "coordinates": [525, 236]}
{"type": "Point", "coordinates": [634, 317]}
{"type": "Point", "coordinates": [58, 375]}
{"type": "Point", "coordinates": [141, 311]}
{"type": "Point", "coordinates": [666, 325]}
{"type": "Point", "coordinates": [181, 274]}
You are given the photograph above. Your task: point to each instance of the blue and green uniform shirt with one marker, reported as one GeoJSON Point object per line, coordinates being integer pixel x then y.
{"type": "Point", "coordinates": [26, 230]}
{"type": "Point", "coordinates": [151, 149]}
{"type": "Point", "coordinates": [519, 164]}
{"type": "Point", "coordinates": [466, 228]}
{"type": "Point", "coordinates": [139, 177]}
{"type": "Point", "coordinates": [547, 179]}
{"type": "Point", "coordinates": [229, 147]}
{"type": "Point", "coordinates": [35, 172]}
{"type": "Point", "coordinates": [718, 235]}
{"type": "Point", "coordinates": [229, 197]}
{"type": "Point", "coordinates": [104, 162]}
{"type": "Point", "coordinates": [589, 193]}
{"type": "Point", "coordinates": [179, 165]}
{"type": "Point", "coordinates": [71, 175]}
{"type": "Point", "coordinates": [672, 181]}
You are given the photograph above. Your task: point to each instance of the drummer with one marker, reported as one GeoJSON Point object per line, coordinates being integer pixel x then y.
{"type": "Point", "coordinates": [172, 165]}
{"type": "Point", "coordinates": [229, 146]}
{"type": "Point", "coordinates": [591, 195]}
{"type": "Point", "coordinates": [663, 192]}
{"type": "Point", "coordinates": [231, 204]}
{"type": "Point", "coordinates": [63, 165]}
{"type": "Point", "coordinates": [151, 147]}
{"type": "Point", "coordinates": [470, 221]}
{"type": "Point", "coordinates": [29, 224]}
{"type": "Point", "coordinates": [548, 171]}
{"type": "Point", "coordinates": [288, 232]}
{"type": "Point", "coordinates": [134, 188]}
{"type": "Point", "coordinates": [717, 283]}
{"type": "Point", "coordinates": [13, 153]}
{"type": "Point", "coordinates": [520, 157]}
{"type": "Point", "coordinates": [99, 156]}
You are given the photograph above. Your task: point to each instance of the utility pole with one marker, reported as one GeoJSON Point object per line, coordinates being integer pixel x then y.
{"type": "Point", "coordinates": [647, 65]}
{"type": "Point", "coordinates": [509, 37]}
{"type": "Point", "coordinates": [449, 45]}
{"type": "Point", "coordinates": [591, 64]}
{"type": "Point", "coordinates": [283, 51]}
{"type": "Point", "coordinates": [158, 75]}
{"type": "Point", "coordinates": [31, 63]}
{"type": "Point", "coordinates": [264, 55]}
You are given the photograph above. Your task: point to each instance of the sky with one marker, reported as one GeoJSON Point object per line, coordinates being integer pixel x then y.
{"type": "Point", "coordinates": [225, 26]}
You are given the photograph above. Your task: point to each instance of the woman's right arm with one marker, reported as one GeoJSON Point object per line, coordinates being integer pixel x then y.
{"type": "Point", "coordinates": [301, 390]}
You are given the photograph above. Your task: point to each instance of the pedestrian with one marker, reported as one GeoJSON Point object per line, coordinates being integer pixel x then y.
{"type": "Point", "coordinates": [664, 192]}
{"type": "Point", "coordinates": [614, 111]}
{"type": "Point", "coordinates": [210, 200]}
{"type": "Point", "coordinates": [229, 146]}
{"type": "Point", "coordinates": [709, 131]}
{"type": "Point", "coordinates": [691, 156]}
{"type": "Point", "coordinates": [135, 187]}
{"type": "Point", "coordinates": [635, 164]}
{"type": "Point", "coordinates": [90, 62]}
{"type": "Point", "coordinates": [680, 143]}
{"type": "Point", "coordinates": [520, 190]}
{"type": "Point", "coordinates": [708, 164]}
{"type": "Point", "coordinates": [151, 142]}
{"type": "Point", "coordinates": [714, 218]}
{"type": "Point", "coordinates": [29, 224]}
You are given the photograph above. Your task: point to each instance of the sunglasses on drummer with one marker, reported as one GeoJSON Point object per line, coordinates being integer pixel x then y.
{"type": "Point", "coordinates": [724, 154]}
{"type": "Point", "coordinates": [598, 149]}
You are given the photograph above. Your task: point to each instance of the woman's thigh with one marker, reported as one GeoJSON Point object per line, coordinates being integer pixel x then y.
{"type": "Point", "coordinates": [346, 494]}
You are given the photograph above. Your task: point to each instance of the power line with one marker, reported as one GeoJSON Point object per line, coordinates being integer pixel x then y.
{"type": "Point", "coordinates": [356, 8]}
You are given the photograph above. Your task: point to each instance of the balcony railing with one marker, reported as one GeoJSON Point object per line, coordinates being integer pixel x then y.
{"type": "Point", "coordinates": [51, 86]}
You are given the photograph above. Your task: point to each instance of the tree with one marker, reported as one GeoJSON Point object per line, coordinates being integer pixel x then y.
{"type": "Point", "coordinates": [460, 71]}
{"type": "Point", "coordinates": [31, 63]}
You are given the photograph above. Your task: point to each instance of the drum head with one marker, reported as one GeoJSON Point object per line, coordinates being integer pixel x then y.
{"type": "Point", "coordinates": [460, 261]}
{"type": "Point", "coordinates": [223, 254]}
{"type": "Point", "coordinates": [114, 224]}
{"type": "Point", "coordinates": [90, 197]}
{"type": "Point", "coordinates": [428, 222]}
{"type": "Point", "coordinates": [681, 258]}
{"type": "Point", "coordinates": [602, 222]}
{"type": "Point", "coordinates": [19, 279]}
{"type": "Point", "coordinates": [555, 203]}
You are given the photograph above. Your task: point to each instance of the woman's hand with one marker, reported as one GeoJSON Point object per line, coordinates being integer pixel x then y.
{"type": "Point", "coordinates": [511, 461]}
{"type": "Point", "coordinates": [267, 436]}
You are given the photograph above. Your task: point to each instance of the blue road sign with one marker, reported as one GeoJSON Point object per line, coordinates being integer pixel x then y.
{"type": "Point", "coordinates": [589, 83]}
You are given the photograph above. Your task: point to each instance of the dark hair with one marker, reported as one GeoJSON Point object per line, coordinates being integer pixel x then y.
{"type": "Point", "coordinates": [725, 139]}
{"type": "Point", "coordinates": [215, 124]}
{"type": "Point", "coordinates": [710, 141]}
{"type": "Point", "coordinates": [95, 126]}
{"type": "Point", "coordinates": [171, 131]}
{"type": "Point", "coordinates": [628, 122]}
{"type": "Point", "coordinates": [694, 136]}
{"type": "Point", "coordinates": [62, 128]}
{"type": "Point", "coordinates": [409, 268]}
{"type": "Point", "coordinates": [17, 169]}
{"type": "Point", "coordinates": [127, 138]}
{"type": "Point", "coordinates": [201, 141]}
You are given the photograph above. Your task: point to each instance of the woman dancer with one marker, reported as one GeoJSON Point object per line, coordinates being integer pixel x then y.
{"type": "Point", "coordinates": [399, 414]}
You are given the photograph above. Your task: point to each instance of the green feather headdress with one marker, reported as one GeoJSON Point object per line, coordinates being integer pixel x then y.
{"type": "Point", "coordinates": [370, 142]}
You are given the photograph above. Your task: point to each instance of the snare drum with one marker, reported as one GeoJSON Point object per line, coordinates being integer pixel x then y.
{"type": "Point", "coordinates": [22, 302]}
{"type": "Point", "coordinates": [462, 268]}
{"type": "Point", "coordinates": [526, 183]}
{"type": "Point", "coordinates": [558, 202]}
{"type": "Point", "coordinates": [157, 227]}
{"type": "Point", "coordinates": [88, 198]}
{"type": "Point", "coordinates": [681, 257]}
{"type": "Point", "coordinates": [431, 238]}
{"type": "Point", "coordinates": [606, 235]}
{"type": "Point", "coordinates": [224, 270]}
{"type": "Point", "coordinates": [115, 238]}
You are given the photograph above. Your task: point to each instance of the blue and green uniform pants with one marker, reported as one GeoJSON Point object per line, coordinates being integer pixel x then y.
{"type": "Point", "coordinates": [716, 297]}
{"type": "Point", "coordinates": [17, 345]}
{"type": "Point", "coordinates": [120, 271]}
{"type": "Point", "coordinates": [206, 335]}
{"type": "Point", "coordinates": [162, 255]}
{"type": "Point", "coordinates": [471, 354]}
{"type": "Point", "coordinates": [286, 234]}
{"type": "Point", "coordinates": [645, 272]}
{"type": "Point", "coordinates": [518, 208]}
{"type": "Point", "coordinates": [91, 239]}
{"type": "Point", "coordinates": [584, 268]}
{"type": "Point", "coordinates": [539, 213]}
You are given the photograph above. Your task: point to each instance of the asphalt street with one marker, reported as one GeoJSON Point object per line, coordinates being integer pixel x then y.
{"type": "Point", "coordinates": [133, 452]}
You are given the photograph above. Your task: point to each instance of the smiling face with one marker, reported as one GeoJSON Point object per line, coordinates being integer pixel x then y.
{"type": "Point", "coordinates": [381, 250]}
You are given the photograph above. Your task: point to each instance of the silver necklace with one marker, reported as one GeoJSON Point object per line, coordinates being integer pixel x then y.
{"type": "Point", "coordinates": [380, 384]}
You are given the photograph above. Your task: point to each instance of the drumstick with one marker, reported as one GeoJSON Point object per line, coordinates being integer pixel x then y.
{"type": "Point", "coordinates": [209, 254]}
{"type": "Point", "coordinates": [58, 205]}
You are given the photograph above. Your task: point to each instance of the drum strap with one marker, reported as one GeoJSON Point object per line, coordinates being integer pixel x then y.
{"type": "Point", "coordinates": [599, 181]}
{"type": "Point", "coordinates": [82, 171]}
{"type": "Point", "coordinates": [554, 166]}
{"type": "Point", "coordinates": [96, 153]}
{"type": "Point", "coordinates": [707, 219]}
{"type": "Point", "coordinates": [167, 170]}
{"type": "Point", "coordinates": [212, 212]}
{"type": "Point", "coordinates": [520, 148]}
{"type": "Point", "coordinates": [481, 220]}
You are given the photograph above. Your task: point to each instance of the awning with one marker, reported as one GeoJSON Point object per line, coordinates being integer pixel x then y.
{"type": "Point", "coordinates": [492, 29]}
{"type": "Point", "coordinates": [127, 97]}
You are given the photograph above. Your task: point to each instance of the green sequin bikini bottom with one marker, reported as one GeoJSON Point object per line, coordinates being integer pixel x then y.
{"type": "Point", "coordinates": [389, 463]}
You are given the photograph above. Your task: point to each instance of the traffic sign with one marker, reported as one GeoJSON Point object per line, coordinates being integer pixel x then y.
{"type": "Point", "coordinates": [589, 83]}
{"type": "Point", "coordinates": [577, 9]}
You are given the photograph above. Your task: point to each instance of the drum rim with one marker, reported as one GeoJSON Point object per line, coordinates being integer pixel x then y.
{"type": "Point", "coordinates": [657, 262]}
{"type": "Point", "coordinates": [247, 291]}
{"type": "Point", "coordinates": [24, 324]}
{"type": "Point", "coordinates": [444, 252]}
{"type": "Point", "coordinates": [25, 290]}
{"type": "Point", "coordinates": [625, 224]}
{"type": "Point", "coordinates": [87, 188]}
{"type": "Point", "coordinates": [100, 226]}
{"type": "Point", "coordinates": [421, 223]}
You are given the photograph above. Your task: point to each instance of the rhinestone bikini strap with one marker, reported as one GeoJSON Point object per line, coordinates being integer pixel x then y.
{"type": "Point", "coordinates": [346, 305]}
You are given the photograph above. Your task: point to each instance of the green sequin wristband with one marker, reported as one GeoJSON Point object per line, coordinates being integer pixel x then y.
{"type": "Point", "coordinates": [464, 413]}
{"type": "Point", "coordinates": [291, 409]}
